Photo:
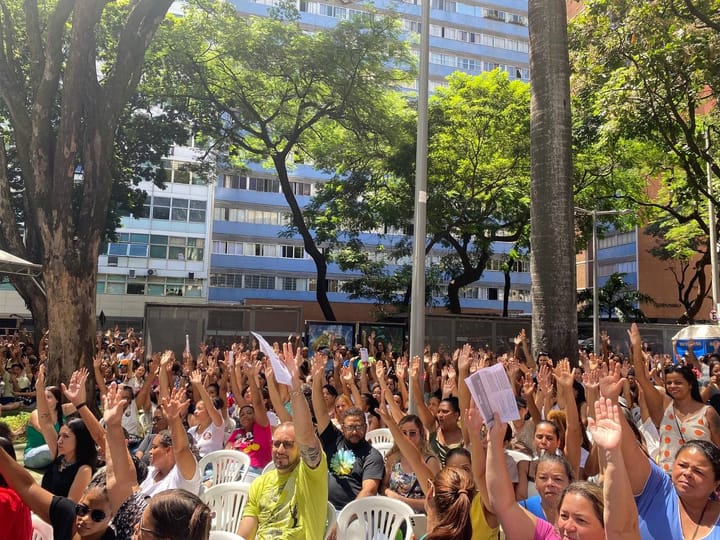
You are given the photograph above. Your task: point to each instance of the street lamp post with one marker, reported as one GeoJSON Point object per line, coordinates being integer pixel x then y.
{"type": "Point", "coordinates": [417, 307]}
{"type": "Point", "coordinates": [711, 229]}
{"type": "Point", "coordinates": [596, 292]}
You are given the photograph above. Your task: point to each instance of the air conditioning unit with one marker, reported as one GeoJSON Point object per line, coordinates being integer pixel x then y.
{"type": "Point", "coordinates": [151, 272]}
{"type": "Point", "coordinates": [112, 260]}
{"type": "Point", "coordinates": [131, 273]}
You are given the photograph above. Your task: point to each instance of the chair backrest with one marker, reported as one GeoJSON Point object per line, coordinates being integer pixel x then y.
{"type": "Point", "coordinates": [269, 467]}
{"type": "Point", "coordinates": [227, 501]}
{"type": "Point", "coordinates": [383, 447]}
{"type": "Point", "coordinates": [227, 466]}
{"type": "Point", "coordinates": [224, 535]}
{"type": "Point", "coordinates": [377, 518]}
{"type": "Point", "coordinates": [330, 518]}
{"type": "Point", "coordinates": [41, 529]}
{"type": "Point", "coordinates": [379, 435]}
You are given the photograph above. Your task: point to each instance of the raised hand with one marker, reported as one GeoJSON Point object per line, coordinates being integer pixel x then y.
{"type": "Point", "coordinates": [174, 403]}
{"type": "Point", "coordinates": [40, 379]}
{"type": "Point", "coordinates": [114, 405]}
{"type": "Point", "coordinates": [528, 385]}
{"type": "Point", "coordinates": [563, 374]}
{"type": "Point", "coordinates": [196, 377]}
{"type": "Point", "coordinates": [464, 358]}
{"type": "Point", "coordinates": [605, 428]}
{"type": "Point", "coordinates": [75, 390]}
{"type": "Point", "coordinates": [414, 369]}
{"type": "Point", "coordinates": [611, 384]}
{"type": "Point", "coordinates": [318, 364]}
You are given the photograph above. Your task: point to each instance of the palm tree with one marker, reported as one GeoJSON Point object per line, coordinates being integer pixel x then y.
{"type": "Point", "coordinates": [617, 297]}
{"type": "Point", "coordinates": [552, 230]}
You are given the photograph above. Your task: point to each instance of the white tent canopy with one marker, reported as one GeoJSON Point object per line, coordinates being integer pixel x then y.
{"type": "Point", "coordinates": [698, 331]}
{"type": "Point", "coordinates": [10, 264]}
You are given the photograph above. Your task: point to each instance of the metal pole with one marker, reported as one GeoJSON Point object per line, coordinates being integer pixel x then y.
{"type": "Point", "coordinates": [417, 306]}
{"type": "Point", "coordinates": [712, 224]}
{"type": "Point", "coordinates": [596, 293]}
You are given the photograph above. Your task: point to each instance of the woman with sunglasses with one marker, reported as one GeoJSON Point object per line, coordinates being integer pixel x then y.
{"type": "Point", "coordinates": [89, 519]}
{"type": "Point", "coordinates": [680, 414]}
{"type": "Point", "coordinates": [400, 481]}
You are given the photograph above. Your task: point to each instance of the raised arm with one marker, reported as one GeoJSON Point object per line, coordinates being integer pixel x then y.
{"type": "Point", "coordinates": [97, 369]}
{"type": "Point", "coordinates": [425, 415]}
{"type": "Point", "coordinates": [310, 448]}
{"type": "Point", "coordinates": [522, 338]}
{"type": "Point", "coordinates": [348, 378]}
{"type": "Point", "coordinates": [423, 473]}
{"type": "Point", "coordinates": [277, 402]}
{"type": "Point", "coordinates": [322, 418]}
{"type": "Point", "coordinates": [621, 515]}
{"type": "Point", "coordinates": [75, 393]}
{"type": "Point", "coordinates": [474, 422]}
{"type": "Point", "coordinates": [516, 521]}
{"type": "Point", "coordinates": [573, 436]}
{"type": "Point", "coordinates": [46, 426]}
{"type": "Point", "coordinates": [184, 457]}
{"type": "Point", "coordinates": [464, 399]}
{"type": "Point", "coordinates": [529, 392]}
{"type": "Point", "coordinates": [610, 387]}
{"type": "Point", "coordinates": [653, 398]}
{"type": "Point", "coordinates": [251, 372]}
{"type": "Point", "coordinates": [144, 393]}
{"type": "Point", "coordinates": [214, 413]}
{"type": "Point", "coordinates": [120, 470]}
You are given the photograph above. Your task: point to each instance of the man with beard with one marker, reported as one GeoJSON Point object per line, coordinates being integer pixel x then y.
{"type": "Point", "coordinates": [290, 502]}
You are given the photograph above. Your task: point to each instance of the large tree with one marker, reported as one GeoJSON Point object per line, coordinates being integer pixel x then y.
{"type": "Point", "coordinates": [64, 85]}
{"type": "Point", "coordinates": [270, 90]}
{"type": "Point", "coordinates": [552, 226]}
{"type": "Point", "coordinates": [646, 79]}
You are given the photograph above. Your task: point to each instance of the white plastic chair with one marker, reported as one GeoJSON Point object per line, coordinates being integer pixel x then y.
{"type": "Point", "coordinates": [376, 517]}
{"type": "Point", "coordinates": [227, 501]}
{"type": "Point", "coordinates": [269, 467]}
{"type": "Point", "coordinates": [224, 535]}
{"type": "Point", "coordinates": [330, 518]}
{"type": "Point", "coordinates": [380, 435]}
{"type": "Point", "coordinates": [383, 447]}
{"type": "Point", "coordinates": [227, 466]}
{"type": "Point", "coordinates": [41, 529]}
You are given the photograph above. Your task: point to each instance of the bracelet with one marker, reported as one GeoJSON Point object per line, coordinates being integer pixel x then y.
{"type": "Point", "coordinates": [80, 406]}
{"type": "Point", "coordinates": [296, 393]}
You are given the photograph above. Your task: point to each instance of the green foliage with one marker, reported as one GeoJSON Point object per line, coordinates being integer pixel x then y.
{"type": "Point", "coordinates": [643, 85]}
{"type": "Point", "coordinates": [617, 298]}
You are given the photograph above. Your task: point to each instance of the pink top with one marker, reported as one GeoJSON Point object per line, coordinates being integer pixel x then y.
{"type": "Point", "coordinates": [256, 443]}
{"type": "Point", "coordinates": [545, 531]}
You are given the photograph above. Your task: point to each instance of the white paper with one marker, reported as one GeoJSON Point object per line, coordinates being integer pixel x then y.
{"type": "Point", "coordinates": [282, 375]}
{"type": "Point", "coordinates": [364, 357]}
{"type": "Point", "coordinates": [187, 343]}
{"type": "Point", "coordinates": [231, 358]}
{"type": "Point", "coordinates": [491, 390]}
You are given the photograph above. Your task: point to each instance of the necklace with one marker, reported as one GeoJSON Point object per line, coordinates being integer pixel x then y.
{"type": "Point", "coordinates": [699, 522]}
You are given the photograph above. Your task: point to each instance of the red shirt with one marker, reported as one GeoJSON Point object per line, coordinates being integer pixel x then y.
{"type": "Point", "coordinates": [14, 515]}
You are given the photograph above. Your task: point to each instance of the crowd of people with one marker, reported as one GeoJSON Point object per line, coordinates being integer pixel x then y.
{"type": "Point", "coordinates": [623, 446]}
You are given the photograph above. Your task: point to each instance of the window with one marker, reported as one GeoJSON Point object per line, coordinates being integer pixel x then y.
{"type": "Point", "coordinates": [293, 252]}
{"type": "Point", "coordinates": [233, 181]}
{"type": "Point", "coordinates": [289, 284]}
{"type": "Point", "coordinates": [492, 293]}
{"type": "Point", "coordinates": [179, 210]}
{"type": "Point", "coordinates": [259, 282]}
{"type": "Point", "coordinates": [136, 288]}
{"type": "Point", "coordinates": [197, 211]}
{"type": "Point", "coordinates": [267, 185]}
{"type": "Point", "coordinates": [300, 188]}
{"type": "Point", "coordinates": [161, 208]}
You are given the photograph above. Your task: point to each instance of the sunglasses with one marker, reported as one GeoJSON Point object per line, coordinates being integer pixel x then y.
{"type": "Point", "coordinates": [412, 433]}
{"type": "Point", "coordinates": [285, 444]}
{"type": "Point", "coordinates": [83, 510]}
{"type": "Point", "coordinates": [354, 428]}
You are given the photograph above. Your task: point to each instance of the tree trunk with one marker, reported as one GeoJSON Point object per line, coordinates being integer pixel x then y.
{"type": "Point", "coordinates": [552, 230]}
{"type": "Point", "coordinates": [506, 293]}
{"type": "Point", "coordinates": [469, 275]}
{"type": "Point", "coordinates": [308, 241]}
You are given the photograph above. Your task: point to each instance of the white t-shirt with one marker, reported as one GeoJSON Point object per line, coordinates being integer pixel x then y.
{"type": "Point", "coordinates": [210, 440]}
{"type": "Point", "coordinates": [173, 480]}
{"type": "Point", "coordinates": [131, 420]}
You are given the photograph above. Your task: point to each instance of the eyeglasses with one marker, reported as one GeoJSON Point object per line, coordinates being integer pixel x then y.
{"type": "Point", "coordinates": [287, 445]}
{"type": "Point", "coordinates": [411, 433]}
{"type": "Point", "coordinates": [355, 428]}
{"type": "Point", "coordinates": [146, 530]}
{"type": "Point", "coordinates": [83, 510]}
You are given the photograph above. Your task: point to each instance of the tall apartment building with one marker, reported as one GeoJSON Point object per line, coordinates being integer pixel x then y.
{"type": "Point", "coordinates": [251, 264]}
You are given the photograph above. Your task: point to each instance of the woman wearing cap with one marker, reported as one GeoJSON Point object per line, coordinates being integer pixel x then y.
{"type": "Point", "coordinates": [680, 414]}
{"type": "Point", "coordinates": [254, 436]}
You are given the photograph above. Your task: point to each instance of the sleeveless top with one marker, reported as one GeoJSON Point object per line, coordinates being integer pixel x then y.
{"type": "Point", "coordinates": [674, 432]}
{"type": "Point", "coordinates": [405, 483]}
{"type": "Point", "coordinates": [59, 482]}
{"type": "Point", "coordinates": [441, 450]}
